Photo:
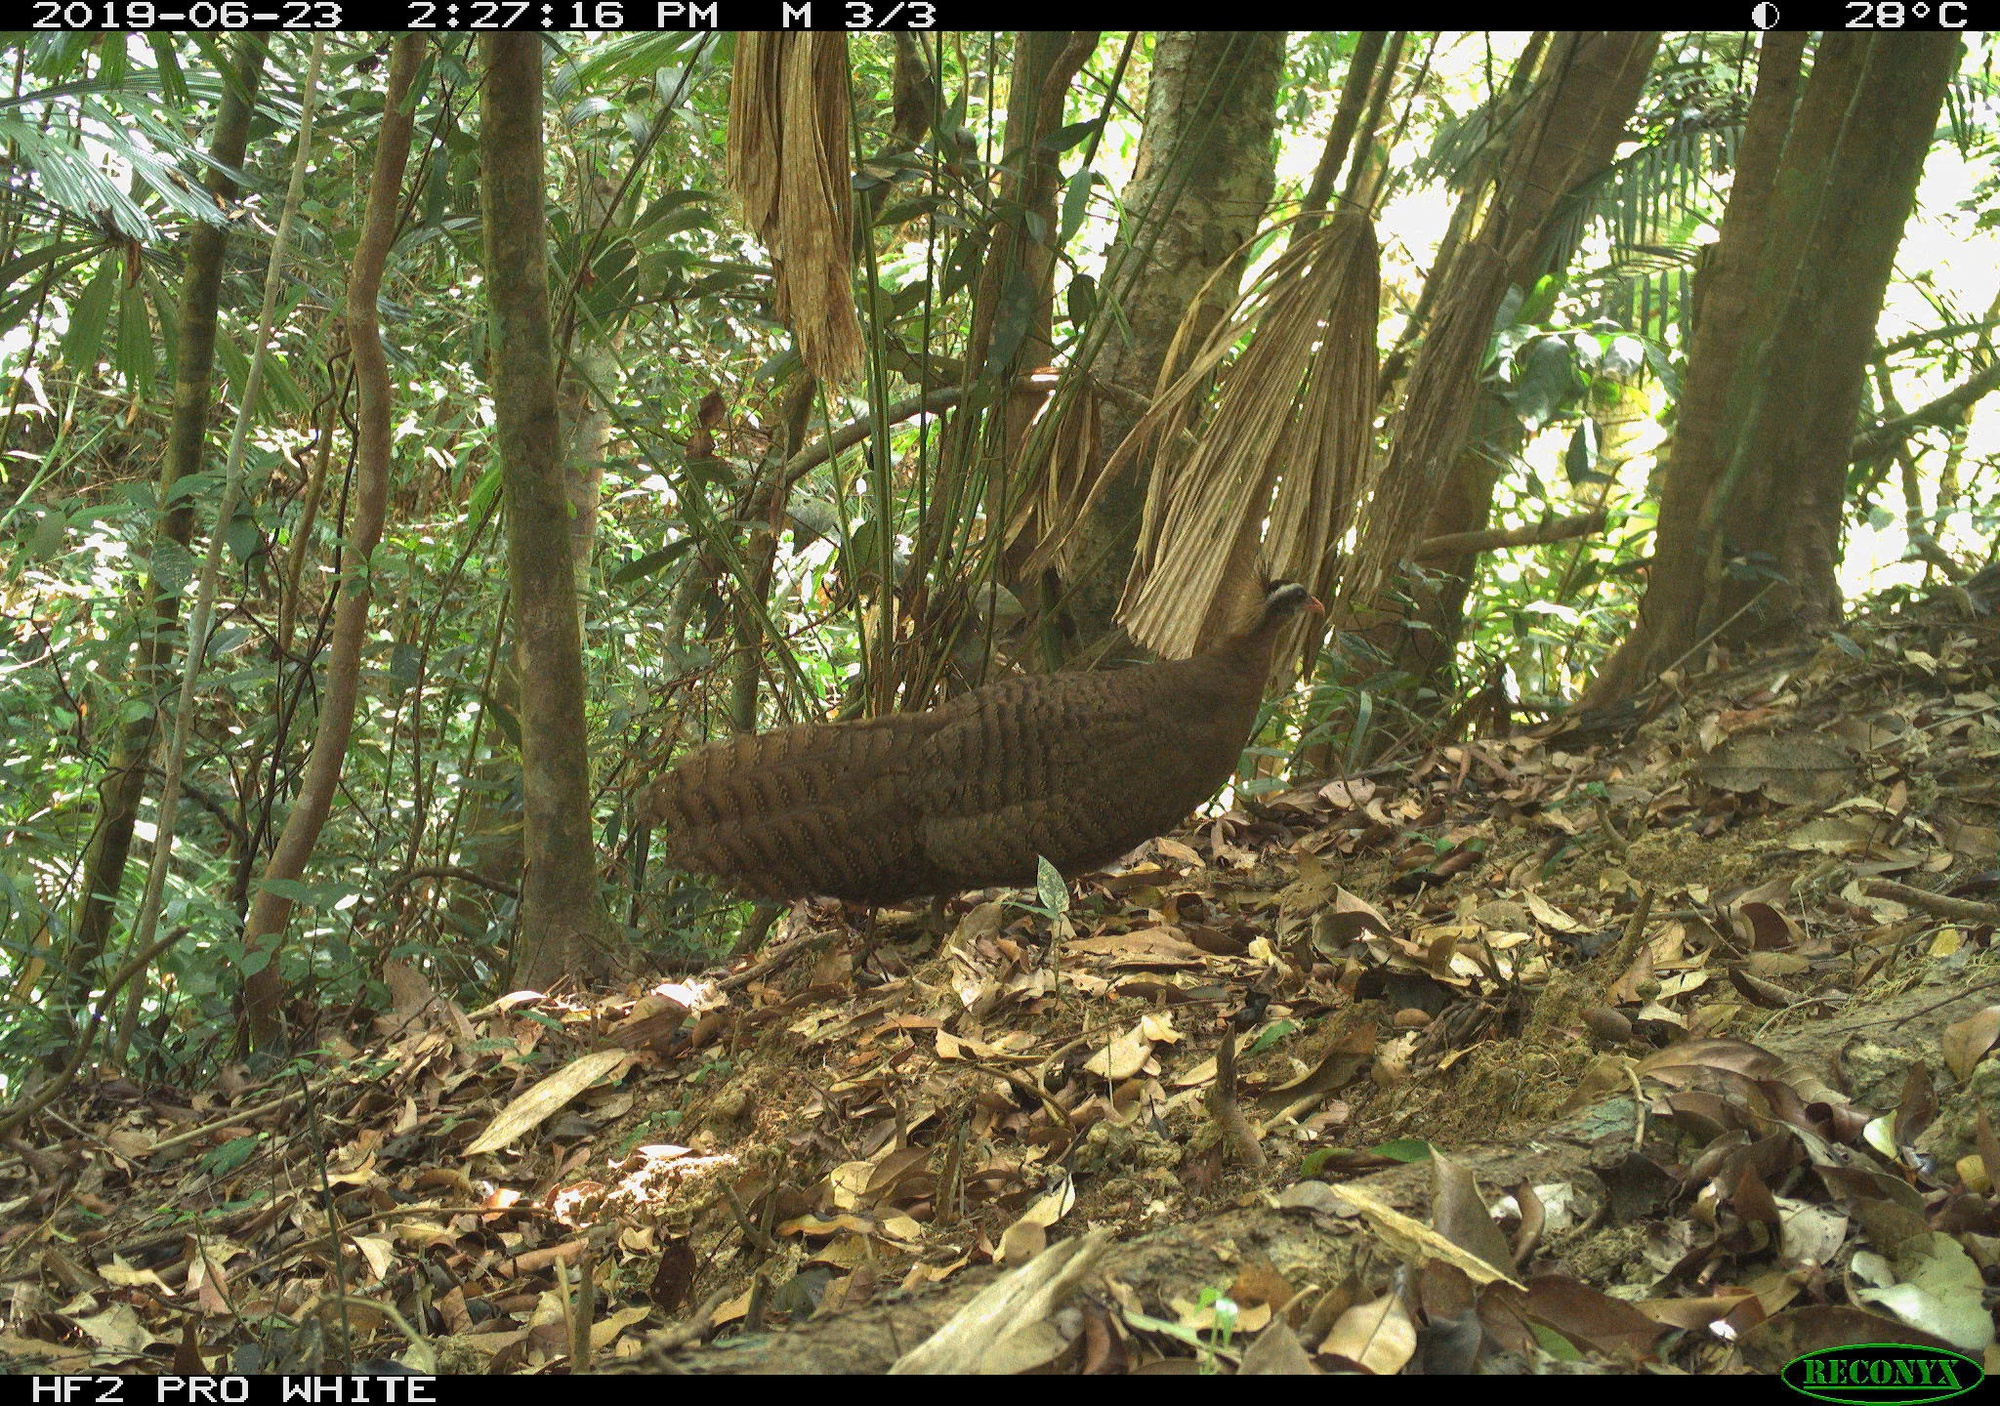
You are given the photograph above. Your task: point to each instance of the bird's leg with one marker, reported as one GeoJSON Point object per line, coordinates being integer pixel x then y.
{"type": "Point", "coordinates": [930, 923]}
{"type": "Point", "coordinates": [870, 928]}
{"type": "Point", "coordinates": [933, 925]}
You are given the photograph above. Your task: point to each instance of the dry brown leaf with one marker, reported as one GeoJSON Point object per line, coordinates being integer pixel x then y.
{"type": "Point", "coordinates": [1411, 1239]}
{"type": "Point", "coordinates": [1965, 1042]}
{"type": "Point", "coordinates": [118, 1329]}
{"type": "Point", "coordinates": [1796, 768]}
{"type": "Point", "coordinates": [531, 1108]}
{"type": "Point", "coordinates": [1378, 1335]}
{"type": "Point", "coordinates": [1460, 1213]}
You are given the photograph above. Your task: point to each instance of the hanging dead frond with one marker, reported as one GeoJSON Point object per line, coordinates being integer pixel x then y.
{"type": "Point", "coordinates": [1435, 417]}
{"type": "Point", "coordinates": [1162, 422]}
{"type": "Point", "coordinates": [1293, 412]}
{"type": "Point", "coordinates": [789, 165]}
{"type": "Point", "coordinates": [1063, 478]}
{"type": "Point", "coordinates": [753, 154]}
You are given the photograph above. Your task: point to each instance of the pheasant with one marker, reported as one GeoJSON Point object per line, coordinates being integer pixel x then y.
{"type": "Point", "coordinates": [1078, 767]}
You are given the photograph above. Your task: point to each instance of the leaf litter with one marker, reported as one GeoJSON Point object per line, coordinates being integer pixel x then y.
{"type": "Point", "coordinates": [1665, 1050]}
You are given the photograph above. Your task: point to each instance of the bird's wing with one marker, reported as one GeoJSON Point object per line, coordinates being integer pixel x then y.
{"type": "Point", "coordinates": [806, 810]}
{"type": "Point", "coordinates": [1073, 767]}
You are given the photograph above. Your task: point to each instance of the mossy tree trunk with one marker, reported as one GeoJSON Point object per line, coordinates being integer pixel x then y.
{"type": "Point", "coordinates": [1563, 137]}
{"type": "Point", "coordinates": [562, 928]}
{"type": "Point", "coordinates": [1757, 471]}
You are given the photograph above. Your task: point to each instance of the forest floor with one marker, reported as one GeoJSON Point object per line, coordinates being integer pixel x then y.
{"type": "Point", "coordinates": [1665, 1050]}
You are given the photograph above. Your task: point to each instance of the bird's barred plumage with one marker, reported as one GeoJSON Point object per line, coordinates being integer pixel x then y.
{"type": "Point", "coordinates": [1078, 767]}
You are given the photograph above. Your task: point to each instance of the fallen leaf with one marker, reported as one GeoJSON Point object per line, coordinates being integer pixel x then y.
{"type": "Point", "coordinates": [1964, 1043]}
{"type": "Point", "coordinates": [531, 1108]}
{"type": "Point", "coordinates": [1794, 768]}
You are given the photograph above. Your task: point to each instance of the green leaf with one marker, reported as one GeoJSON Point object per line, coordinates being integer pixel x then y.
{"type": "Point", "coordinates": [1554, 1343]}
{"type": "Point", "coordinates": [405, 664]}
{"type": "Point", "coordinates": [292, 889]}
{"type": "Point", "coordinates": [1080, 299]}
{"type": "Point", "coordinates": [231, 1155]}
{"type": "Point", "coordinates": [189, 488]}
{"type": "Point", "coordinates": [485, 491]}
{"type": "Point", "coordinates": [48, 536]}
{"type": "Point", "coordinates": [1050, 888]}
{"type": "Point", "coordinates": [173, 566]}
{"type": "Point", "coordinates": [1063, 138]}
{"type": "Point", "coordinates": [1582, 453]}
{"type": "Point", "coordinates": [1010, 326]}
{"type": "Point", "coordinates": [1663, 367]}
{"type": "Point", "coordinates": [812, 519]}
{"type": "Point", "coordinates": [1541, 300]}
{"type": "Point", "coordinates": [504, 716]}
{"type": "Point", "coordinates": [134, 353]}
{"type": "Point", "coordinates": [864, 546]}
{"type": "Point", "coordinates": [652, 561]}
{"type": "Point", "coordinates": [898, 212]}
{"type": "Point", "coordinates": [666, 204]}
{"type": "Point", "coordinates": [872, 175]}
{"type": "Point", "coordinates": [245, 541]}
{"type": "Point", "coordinates": [1364, 716]}
{"type": "Point", "coordinates": [1270, 1035]}
{"type": "Point", "coordinates": [1403, 1149]}
{"type": "Point", "coordinates": [1548, 381]}
{"type": "Point", "coordinates": [1309, 1166]}
{"type": "Point", "coordinates": [962, 263]}
{"type": "Point", "coordinates": [1075, 204]}
{"type": "Point", "coordinates": [87, 318]}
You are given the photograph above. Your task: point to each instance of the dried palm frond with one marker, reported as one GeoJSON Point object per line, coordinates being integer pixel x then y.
{"type": "Point", "coordinates": [1293, 412]}
{"type": "Point", "coordinates": [753, 156]}
{"type": "Point", "coordinates": [1435, 416]}
{"type": "Point", "coordinates": [788, 163]}
{"type": "Point", "coordinates": [1060, 481]}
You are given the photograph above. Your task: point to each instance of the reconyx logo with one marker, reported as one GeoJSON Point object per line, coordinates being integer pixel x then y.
{"type": "Point", "coordinates": [1872, 1373]}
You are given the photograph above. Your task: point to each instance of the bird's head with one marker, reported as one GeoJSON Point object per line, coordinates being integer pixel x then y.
{"type": "Point", "coordinates": [1284, 599]}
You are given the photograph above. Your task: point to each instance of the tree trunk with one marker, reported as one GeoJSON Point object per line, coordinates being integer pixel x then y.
{"type": "Point", "coordinates": [1562, 139]}
{"type": "Point", "coordinates": [1792, 457]}
{"type": "Point", "coordinates": [1757, 469]}
{"type": "Point", "coordinates": [1725, 306]}
{"type": "Point", "coordinates": [1015, 298]}
{"type": "Point", "coordinates": [1426, 642]}
{"type": "Point", "coordinates": [764, 506]}
{"type": "Point", "coordinates": [263, 930]}
{"type": "Point", "coordinates": [1333, 156]}
{"type": "Point", "coordinates": [562, 928]}
{"type": "Point", "coordinates": [591, 366]}
{"type": "Point", "coordinates": [490, 843]}
{"type": "Point", "coordinates": [124, 783]}
{"type": "Point", "coordinates": [1203, 178]}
